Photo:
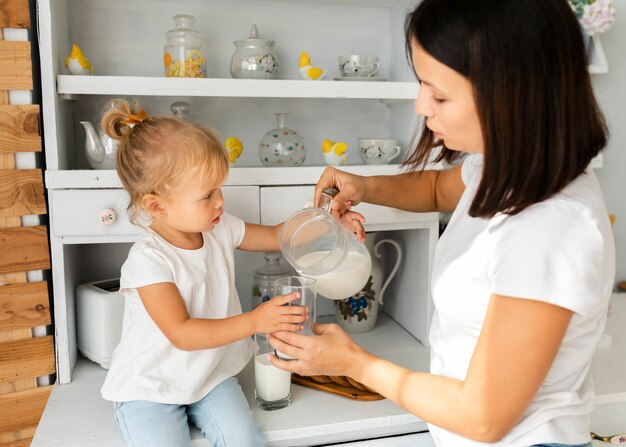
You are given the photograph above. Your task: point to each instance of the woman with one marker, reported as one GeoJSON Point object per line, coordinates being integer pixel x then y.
{"type": "Point", "coordinates": [523, 273]}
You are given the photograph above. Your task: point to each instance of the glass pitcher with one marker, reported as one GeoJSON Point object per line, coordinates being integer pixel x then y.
{"type": "Point", "coordinates": [317, 246]}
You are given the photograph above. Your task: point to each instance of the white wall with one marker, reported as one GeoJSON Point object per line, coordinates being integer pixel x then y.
{"type": "Point", "coordinates": [611, 92]}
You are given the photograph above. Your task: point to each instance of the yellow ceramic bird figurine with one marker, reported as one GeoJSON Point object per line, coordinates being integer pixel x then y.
{"type": "Point", "coordinates": [77, 63]}
{"type": "Point", "coordinates": [234, 148]}
{"type": "Point", "coordinates": [309, 72]}
{"type": "Point", "coordinates": [335, 154]}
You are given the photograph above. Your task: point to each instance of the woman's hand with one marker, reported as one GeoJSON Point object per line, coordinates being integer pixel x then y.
{"type": "Point", "coordinates": [274, 315]}
{"type": "Point", "coordinates": [331, 352]}
{"type": "Point", "coordinates": [351, 189]}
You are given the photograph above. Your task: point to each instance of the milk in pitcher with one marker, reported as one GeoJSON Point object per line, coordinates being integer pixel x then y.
{"type": "Point", "coordinates": [347, 279]}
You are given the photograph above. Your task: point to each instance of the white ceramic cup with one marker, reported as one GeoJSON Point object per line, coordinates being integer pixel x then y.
{"type": "Point", "coordinates": [352, 66]}
{"type": "Point", "coordinates": [378, 151]}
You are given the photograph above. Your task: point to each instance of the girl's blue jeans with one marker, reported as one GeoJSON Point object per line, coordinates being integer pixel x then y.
{"type": "Point", "coordinates": [223, 416]}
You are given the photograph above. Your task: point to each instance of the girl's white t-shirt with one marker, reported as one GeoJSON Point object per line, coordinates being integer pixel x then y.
{"type": "Point", "coordinates": [559, 251]}
{"type": "Point", "coordinates": [145, 365]}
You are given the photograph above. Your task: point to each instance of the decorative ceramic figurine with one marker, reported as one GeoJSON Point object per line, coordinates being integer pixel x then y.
{"type": "Point", "coordinates": [282, 146]}
{"type": "Point", "coordinates": [308, 71]}
{"type": "Point", "coordinates": [335, 154]}
{"type": "Point", "coordinates": [234, 148]}
{"type": "Point", "coordinates": [254, 58]}
{"type": "Point", "coordinates": [183, 55]}
{"type": "Point", "coordinates": [77, 63]}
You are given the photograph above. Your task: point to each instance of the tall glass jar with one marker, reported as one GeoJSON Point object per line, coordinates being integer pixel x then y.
{"type": "Point", "coordinates": [184, 52]}
{"type": "Point", "coordinates": [265, 276]}
{"type": "Point", "coordinates": [282, 146]}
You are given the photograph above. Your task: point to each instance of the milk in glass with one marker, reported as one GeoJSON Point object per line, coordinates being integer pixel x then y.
{"type": "Point", "coordinates": [272, 384]}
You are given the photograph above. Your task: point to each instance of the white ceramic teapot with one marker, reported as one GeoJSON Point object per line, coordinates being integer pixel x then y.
{"type": "Point", "coordinates": [100, 149]}
{"type": "Point", "coordinates": [358, 313]}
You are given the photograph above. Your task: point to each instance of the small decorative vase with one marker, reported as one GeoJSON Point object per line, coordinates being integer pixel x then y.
{"type": "Point", "coordinates": [358, 313]}
{"type": "Point", "coordinates": [254, 58]}
{"type": "Point", "coordinates": [282, 146]}
{"type": "Point", "coordinates": [181, 109]}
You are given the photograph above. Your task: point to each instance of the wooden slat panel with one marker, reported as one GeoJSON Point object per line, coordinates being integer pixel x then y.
{"type": "Point", "coordinates": [19, 443]}
{"type": "Point", "coordinates": [14, 14]}
{"type": "Point", "coordinates": [24, 249]}
{"type": "Point", "coordinates": [26, 358]}
{"type": "Point", "coordinates": [18, 438]}
{"type": "Point", "coordinates": [16, 71]}
{"type": "Point", "coordinates": [21, 192]}
{"type": "Point", "coordinates": [24, 305]}
{"type": "Point", "coordinates": [23, 409]}
{"type": "Point", "coordinates": [19, 128]}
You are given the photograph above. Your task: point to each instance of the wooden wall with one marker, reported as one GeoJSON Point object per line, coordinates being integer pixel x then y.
{"type": "Point", "coordinates": [23, 305]}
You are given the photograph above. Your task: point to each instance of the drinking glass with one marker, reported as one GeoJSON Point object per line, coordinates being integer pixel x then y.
{"type": "Point", "coordinates": [272, 389]}
{"type": "Point", "coordinates": [305, 286]}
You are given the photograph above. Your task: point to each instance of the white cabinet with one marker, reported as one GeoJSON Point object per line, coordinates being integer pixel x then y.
{"type": "Point", "coordinates": [123, 41]}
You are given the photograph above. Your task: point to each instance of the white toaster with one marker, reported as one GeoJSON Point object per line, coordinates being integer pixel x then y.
{"type": "Point", "coordinates": [99, 315]}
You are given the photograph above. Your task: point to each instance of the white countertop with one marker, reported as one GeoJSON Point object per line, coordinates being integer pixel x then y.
{"type": "Point", "coordinates": [76, 414]}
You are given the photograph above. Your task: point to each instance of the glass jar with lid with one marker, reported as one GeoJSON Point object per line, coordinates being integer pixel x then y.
{"type": "Point", "coordinates": [184, 52]}
{"type": "Point", "coordinates": [254, 58]}
{"type": "Point", "coordinates": [317, 246]}
{"type": "Point", "coordinates": [264, 277]}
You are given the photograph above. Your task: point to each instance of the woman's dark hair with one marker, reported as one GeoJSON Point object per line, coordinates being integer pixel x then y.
{"type": "Point", "coordinates": [527, 63]}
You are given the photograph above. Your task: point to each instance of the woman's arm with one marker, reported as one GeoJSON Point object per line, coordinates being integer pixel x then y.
{"type": "Point", "coordinates": [414, 191]}
{"type": "Point", "coordinates": [167, 309]}
{"type": "Point", "coordinates": [519, 340]}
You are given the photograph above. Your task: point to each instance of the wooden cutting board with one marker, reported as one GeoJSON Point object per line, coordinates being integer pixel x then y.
{"type": "Point", "coordinates": [349, 392]}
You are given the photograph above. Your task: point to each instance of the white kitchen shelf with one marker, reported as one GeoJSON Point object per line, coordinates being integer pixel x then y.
{"type": "Point", "coordinates": [266, 176]}
{"type": "Point", "coordinates": [313, 418]}
{"type": "Point", "coordinates": [609, 362]}
{"type": "Point", "coordinates": [241, 88]}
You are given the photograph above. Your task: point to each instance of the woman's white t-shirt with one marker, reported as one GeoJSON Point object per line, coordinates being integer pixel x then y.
{"type": "Point", "coordinates": [145, 365]}
{"type": "Point", "coordinates": [559, 251]}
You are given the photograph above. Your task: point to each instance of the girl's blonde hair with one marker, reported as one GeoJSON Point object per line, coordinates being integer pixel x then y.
{"type": "Point", "coordinates": [156, 153]}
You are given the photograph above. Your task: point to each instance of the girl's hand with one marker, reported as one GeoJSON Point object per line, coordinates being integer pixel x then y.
{"type": "Point", "coordinates": [331, 352]}
{"type": "Point", "coordinates": [353, 222]}
{"type": "Point", "coordinates": [275, 315]}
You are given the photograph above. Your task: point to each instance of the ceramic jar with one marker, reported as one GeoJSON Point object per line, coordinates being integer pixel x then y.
{"type": "Point", "coordinates": [184, 52]}
{"type": "Point", "coordinates": [358, 313]}
{"type": "Point", "coordinates": [282, 146]}
{"type": "Point", "coordinates": [254, 58]}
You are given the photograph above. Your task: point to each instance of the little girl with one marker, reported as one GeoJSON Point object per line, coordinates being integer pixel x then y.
{"type": "Point", "coordinates": [184, 336]}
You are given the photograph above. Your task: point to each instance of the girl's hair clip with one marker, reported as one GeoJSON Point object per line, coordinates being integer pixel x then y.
{"type": "Point", "coordinates": [137, 118]}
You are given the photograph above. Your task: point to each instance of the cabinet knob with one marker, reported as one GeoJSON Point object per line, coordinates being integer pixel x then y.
{"type": "Point", "coordinates": [107, 216]}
